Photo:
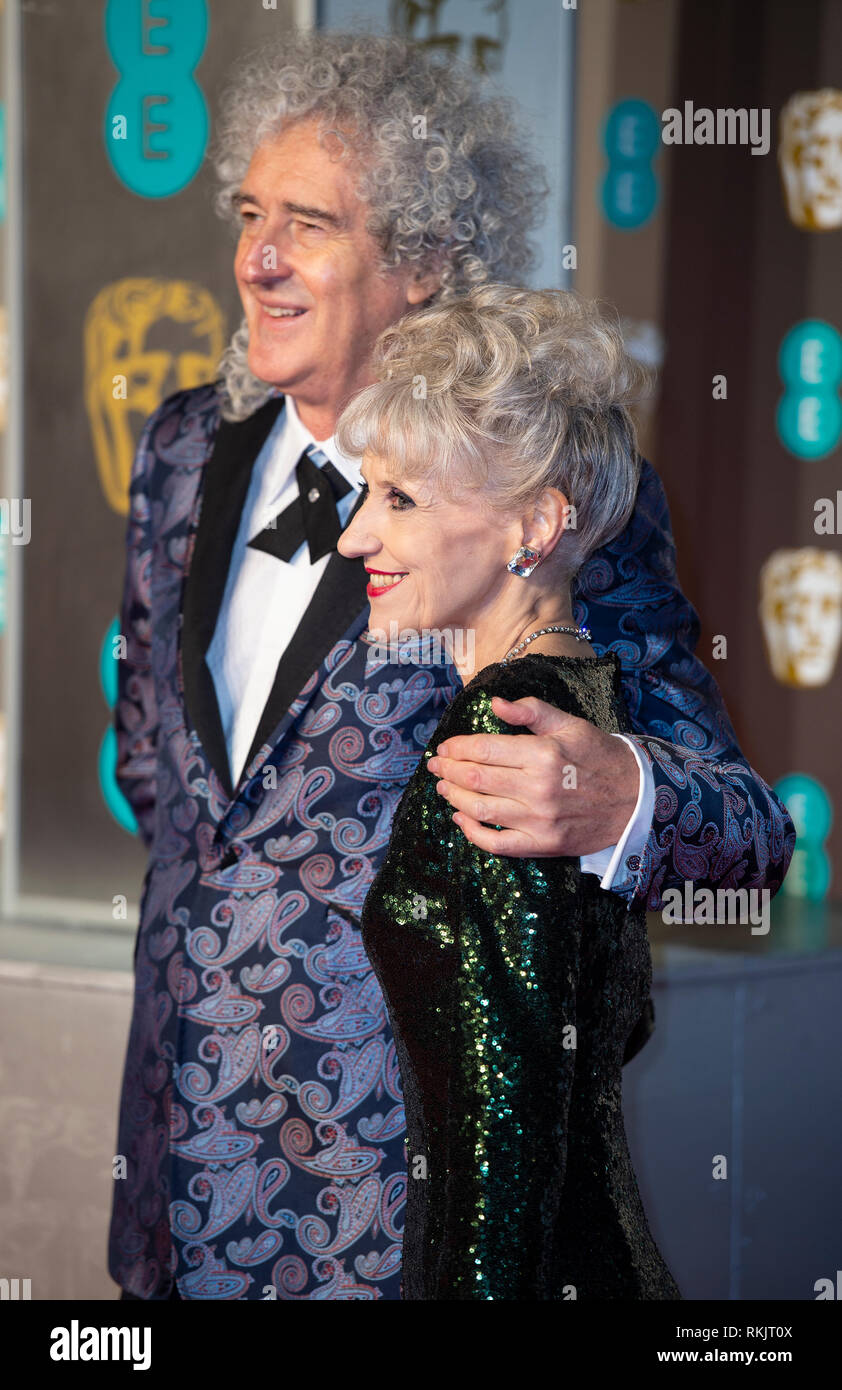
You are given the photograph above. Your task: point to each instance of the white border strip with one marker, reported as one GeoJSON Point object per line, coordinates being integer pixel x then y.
{"type": "Point", "coordinates": [568, 49]}
{"type": "Point", "coordinates": [14, 478]}
{"type": "Point", "coordinates": [304, 14]}
{"type": "Point", "coordinates": [13, 906]}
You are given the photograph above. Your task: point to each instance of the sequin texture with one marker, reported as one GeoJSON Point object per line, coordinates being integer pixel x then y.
{"type": "Point", "coordinates": [513, 987]}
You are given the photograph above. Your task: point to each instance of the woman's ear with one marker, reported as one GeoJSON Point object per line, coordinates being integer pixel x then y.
{"type": "Point", "coordinates": [547, 520]}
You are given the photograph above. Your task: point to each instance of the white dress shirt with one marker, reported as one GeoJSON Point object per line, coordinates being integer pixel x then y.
{"type": "Point", "coordinates": [265, 599]}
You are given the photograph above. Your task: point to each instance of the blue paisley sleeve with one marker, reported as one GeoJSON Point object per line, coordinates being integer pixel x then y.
{"type": "Point", "coordinates": [716, 823]}
{"type": "Point", "coordinates": [136, 712]}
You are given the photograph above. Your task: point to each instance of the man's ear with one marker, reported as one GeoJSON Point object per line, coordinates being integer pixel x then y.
{"type": "Point", "coordinates": [423, 283]}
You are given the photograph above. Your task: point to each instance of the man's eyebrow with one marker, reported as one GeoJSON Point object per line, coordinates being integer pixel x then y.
{"type": "Point", "coordinates": [300, 209]}
{"type": "Point", "coordinates": [318, 214]}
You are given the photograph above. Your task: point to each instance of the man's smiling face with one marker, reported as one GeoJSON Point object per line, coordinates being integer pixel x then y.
{"type": "Point", "coordinates": [308, 274]}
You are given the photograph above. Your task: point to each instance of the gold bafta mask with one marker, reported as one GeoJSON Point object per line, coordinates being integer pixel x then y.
{"type": "Point", "coordinates": [810, 159]}
{"type": "Point", "coordinates": [476, 32]}
{"type": "Point", "coordinates": [645, 344]}
{"type": "Point", "coordinates": [801, 614]}
{"type": "Point", "coordinates": [144, 339]}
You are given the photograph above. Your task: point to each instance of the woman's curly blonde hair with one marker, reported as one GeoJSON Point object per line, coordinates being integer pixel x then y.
{"type": "Point", "coordinates": [466, 196]}
{"type": "Point", "coordinates": [502, 393]}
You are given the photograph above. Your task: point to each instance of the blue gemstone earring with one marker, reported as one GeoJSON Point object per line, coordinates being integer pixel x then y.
{"type": "Point", "coordinates": [524, 561]}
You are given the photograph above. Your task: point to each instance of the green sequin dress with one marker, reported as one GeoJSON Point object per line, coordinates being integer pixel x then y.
{"type": "Point", "coordinates": [513, 987]}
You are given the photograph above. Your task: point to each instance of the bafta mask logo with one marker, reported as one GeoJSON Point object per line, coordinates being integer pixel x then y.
{"type": "Point", "coordinates": [810, 159]}
{"type": "Point", "coordinates": [645, 344]}
{"type": "Point", "coordinates": [801, 615]}
{"type": "Point", "coordinates": [440, 25]}
{"type": "Point", "coordinates": [144, 339]}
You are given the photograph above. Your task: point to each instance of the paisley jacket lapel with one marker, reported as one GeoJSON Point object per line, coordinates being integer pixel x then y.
{"type": "Point", "coordinates": [225, 485]}
{"type": "Point", "coordinates": [337, 603]}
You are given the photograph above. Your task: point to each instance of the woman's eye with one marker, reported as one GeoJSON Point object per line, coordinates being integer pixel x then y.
{"type": "Point", "coordinates": [399, 498]}
{"type": "Point", "coordinates": [402, 499]}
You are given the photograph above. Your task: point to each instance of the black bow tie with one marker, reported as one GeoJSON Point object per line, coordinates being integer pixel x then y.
{"type": "Point", "coordinates": [312, 516]}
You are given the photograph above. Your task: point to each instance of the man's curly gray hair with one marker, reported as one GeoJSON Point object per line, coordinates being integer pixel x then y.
{"type": "Point", "coordinates": [466, 196]}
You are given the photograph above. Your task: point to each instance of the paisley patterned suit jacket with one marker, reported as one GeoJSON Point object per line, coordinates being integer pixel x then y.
{"type": "Point", "coordinates": [261, 1115]}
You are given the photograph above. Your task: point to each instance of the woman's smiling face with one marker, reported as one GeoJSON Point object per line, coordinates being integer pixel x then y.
{"type": "Point", "coordinates": [432, 562]}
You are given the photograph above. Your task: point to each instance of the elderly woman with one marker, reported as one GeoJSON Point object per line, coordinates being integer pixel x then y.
{"type": "Point", "coordinates": [512, 985]}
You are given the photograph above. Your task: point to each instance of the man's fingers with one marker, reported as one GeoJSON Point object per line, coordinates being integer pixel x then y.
{"type": "Point", "coordinates": [496, 810]}
{"type": "Point", "coordinates": [512, 843]}
{"type": "Point", "coordinates": [508, 750]}
{"type": "Point", "coordinates": [535, 714]}
{"type": "Point", "coordinates": [481, 778]}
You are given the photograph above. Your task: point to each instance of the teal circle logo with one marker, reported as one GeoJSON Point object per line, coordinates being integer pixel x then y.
{"type": "Point", "coordinates": [631, 138]}
{"type": "Point", "coordinates": [107, 757]}
{"type": "Point", "coordinates": [808, 803]}
{"type": "Point", "coordinates": [156, 122]}
{"type": "Point", "coordinates": [809, 413]}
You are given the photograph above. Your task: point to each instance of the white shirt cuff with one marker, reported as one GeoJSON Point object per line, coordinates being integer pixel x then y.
{"type": "Point", "coordinates": [633, 840]}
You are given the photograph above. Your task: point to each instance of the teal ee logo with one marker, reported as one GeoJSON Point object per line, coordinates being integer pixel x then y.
{"type": "Point", "coordinates": [809, 414]}
{"type": "Point", "coordinates": [631, 138]}
{"type": "Point", "coordinates": [156, 122]}
{"type": "Point", "coordinates": [809, 805]}
{"type": "Point", "coordinates": [113, 647]}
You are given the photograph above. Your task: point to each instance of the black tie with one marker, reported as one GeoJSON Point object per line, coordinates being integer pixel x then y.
{"type": "Point", "coordinates": [313, 515]}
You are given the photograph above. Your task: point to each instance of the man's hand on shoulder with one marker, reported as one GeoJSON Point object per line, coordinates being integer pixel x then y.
{"type": "Point", "coordinates": [569, 790]}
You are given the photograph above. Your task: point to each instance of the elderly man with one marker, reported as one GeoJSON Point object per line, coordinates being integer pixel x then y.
{"type": "Point", "coordinates": [264, 746]}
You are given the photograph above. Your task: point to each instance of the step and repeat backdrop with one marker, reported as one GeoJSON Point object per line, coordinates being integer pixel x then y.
{"type": "Point", "coordinates": [716, 236]}
{"type": "Point", "coordinates": [128, 294]}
